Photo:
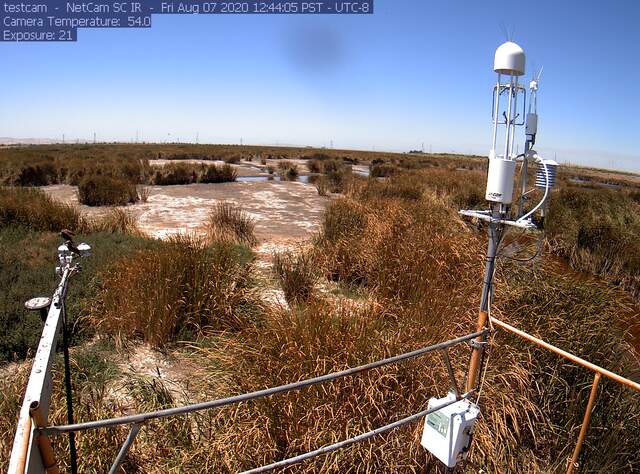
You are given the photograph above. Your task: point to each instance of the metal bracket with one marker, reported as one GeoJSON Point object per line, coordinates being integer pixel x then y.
{"type": "Point", "coordinates": [486, 216]}
{"type": "Point", "coordinates": [477, 344]}
{"type": "Point", "coordinates": [452, 377]}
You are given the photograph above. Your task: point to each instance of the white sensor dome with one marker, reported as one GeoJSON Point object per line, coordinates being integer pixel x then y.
{"type": "Point", "coordinates": [509, 59]}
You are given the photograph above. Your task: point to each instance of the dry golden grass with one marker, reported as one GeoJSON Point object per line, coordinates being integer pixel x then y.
{"type": "Point", "coordinates": [297, 273]}
{"type": "Point", "coordinates": [288, 170]}
{"type": "Point", "coordinates": [180, 289]}
{"type": "Point", "coordinates": [229, 223]}
{"type": "Point", "coordinates": [597, 231]}
{"type": "Point", "coordinates": [92, 370]}
{"type": "Point", "coordinates": [115, 221]}
{"type": "Point", "coordinates": [403, 245]}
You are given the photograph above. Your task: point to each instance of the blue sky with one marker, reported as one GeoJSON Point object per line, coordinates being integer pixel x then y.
{"type": "Point", "coordinates": [416, 71]}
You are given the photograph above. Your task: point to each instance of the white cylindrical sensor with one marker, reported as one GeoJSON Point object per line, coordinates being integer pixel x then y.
{"type": "Point", "coordinates": [500, 180]}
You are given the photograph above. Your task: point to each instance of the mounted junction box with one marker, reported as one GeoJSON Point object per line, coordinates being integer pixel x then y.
{"type": "Point", "coordinates": [531, 128]}
{"type": "Point", "coordinates": [447, 432]}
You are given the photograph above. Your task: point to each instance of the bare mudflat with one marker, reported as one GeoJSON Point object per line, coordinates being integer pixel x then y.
{"type": "Point", "coordinates": [282, 210]}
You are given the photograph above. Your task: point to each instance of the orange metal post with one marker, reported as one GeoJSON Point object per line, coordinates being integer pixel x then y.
{"type": "Point", "coordinates": [585, 424]}
{"type": "Point", "coordinates": [495, 236]}
{"type": "Point", "coordinates": [476, 355]}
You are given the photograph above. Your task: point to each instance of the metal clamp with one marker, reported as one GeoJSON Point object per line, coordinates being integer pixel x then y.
{"type": "Point", "coordinates": [477, 344]}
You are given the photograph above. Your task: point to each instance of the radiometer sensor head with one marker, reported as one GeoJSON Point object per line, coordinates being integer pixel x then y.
{"type": "Point", "coordinates": [509, 59]}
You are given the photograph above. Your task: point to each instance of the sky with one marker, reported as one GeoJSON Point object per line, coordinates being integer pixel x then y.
{"type": "Point", "coordinates": [415, 72]}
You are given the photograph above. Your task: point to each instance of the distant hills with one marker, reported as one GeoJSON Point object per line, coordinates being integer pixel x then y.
{"type": "Point", "coordinates": [26, 141]}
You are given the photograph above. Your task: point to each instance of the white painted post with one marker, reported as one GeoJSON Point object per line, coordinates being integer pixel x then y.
{"type": "Point", "coordinates": [25, 456]}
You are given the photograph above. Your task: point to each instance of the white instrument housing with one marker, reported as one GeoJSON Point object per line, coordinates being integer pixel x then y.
{"type": "Point", "coordinates": [447, 432]}
{"type": "Point", "coordinates": [500, 179]}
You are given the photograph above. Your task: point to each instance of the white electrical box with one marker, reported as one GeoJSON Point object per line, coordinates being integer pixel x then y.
{"type": "Point", "coordinates": [447, 432]}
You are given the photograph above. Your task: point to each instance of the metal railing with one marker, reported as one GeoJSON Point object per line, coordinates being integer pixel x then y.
{"type": "Point", "coordinates": [32, 452]}
{"type": "Point", "coordinates": [599, 373]}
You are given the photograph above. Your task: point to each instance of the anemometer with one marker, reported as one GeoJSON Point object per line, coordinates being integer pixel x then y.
{"type": "Point", "coordinates": [447, 432]}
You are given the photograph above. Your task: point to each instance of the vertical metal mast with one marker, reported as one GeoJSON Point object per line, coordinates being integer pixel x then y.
{"type": "Point", "coordinates": [509, 61]}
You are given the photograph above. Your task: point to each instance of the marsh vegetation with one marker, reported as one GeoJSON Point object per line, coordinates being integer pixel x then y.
{"type": "Point", "coordinates": [409, 270]}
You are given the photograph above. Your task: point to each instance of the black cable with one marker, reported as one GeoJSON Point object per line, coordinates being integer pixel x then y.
{"type": "Point", "coordinates": [528, 259]}
{"type": "Point", "coordinates": [69, 391]}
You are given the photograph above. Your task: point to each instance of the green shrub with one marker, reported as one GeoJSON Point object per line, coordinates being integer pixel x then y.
{"type": "Point", "coordinates": [106, 191]}
{"type": "Point", "coordinates": [40, 166]}
{"type": "Point", "coordinates": [218, 174]}
{"type": "Point", "coordinates": [32, 208]}
{"type": "Point", "coordinates": [187, 173]}
{"type": "Point", "coordinates": [175, 174]}
{"type": "Point", "coordinates": [383, 170]}
{"type": "Point", "coordinates": [233, 159]}
{"type": "Point", "coordinates": [27, 261]}
{"type": "Point", "coordinates": [38, 174]}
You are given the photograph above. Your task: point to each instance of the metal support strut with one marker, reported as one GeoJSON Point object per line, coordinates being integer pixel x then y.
{"type": "Point", "coordinates": [495, 236]}
{"type": "Point", "coordinates": [125, 448]}
{"type": "Point", "coordinates": [585, 423]}
{"type": "Point", "coordinates": [452, 376]}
